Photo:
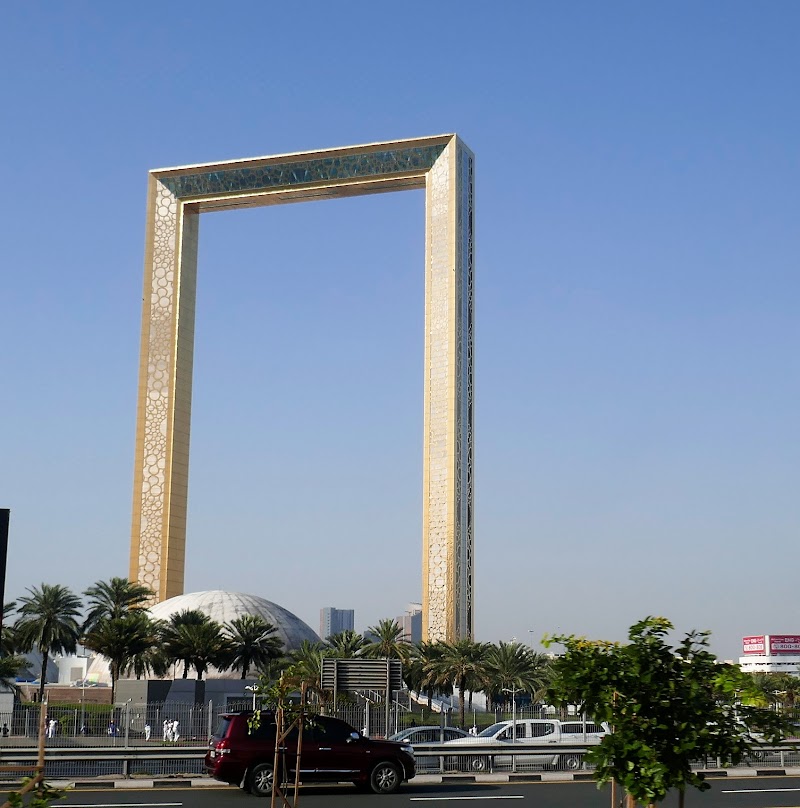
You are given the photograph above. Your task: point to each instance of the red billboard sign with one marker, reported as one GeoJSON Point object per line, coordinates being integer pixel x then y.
{"type": "Point", "coordinates": [754, 645]}
{"type": "Point", "coordinates": [784, 643]}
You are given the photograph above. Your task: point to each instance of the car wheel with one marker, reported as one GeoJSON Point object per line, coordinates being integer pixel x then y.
{"type": "Point", "coordinates": [480, 764]}
{"type": "Point", "coordinates": [570, 762]}
{"type": "Point", "coordinates": [385, 778]}
{"type": "Point", "coordinates": [261, 778]}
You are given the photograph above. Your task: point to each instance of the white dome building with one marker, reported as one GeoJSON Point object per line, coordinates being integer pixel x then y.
{"type": "Point", "coordinates": [223, 607]}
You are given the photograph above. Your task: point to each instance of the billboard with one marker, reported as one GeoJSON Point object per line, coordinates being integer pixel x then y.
{"type": "Point", "coordinates": [784, 643]}
{"type": "Point", "coordinates": [754, 645]}
{"type": "Point", "coordinates": [771, 644]}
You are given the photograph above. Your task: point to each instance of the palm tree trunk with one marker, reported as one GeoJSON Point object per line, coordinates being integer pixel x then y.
{"type": "Point", "coordinates": [43, 677]}
{"type": "Point", "coordinates": [114, 677]}
{"type": "Point", "coordinates": [461, 685]}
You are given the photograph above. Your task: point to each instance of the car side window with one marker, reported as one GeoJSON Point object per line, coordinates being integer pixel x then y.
{"type": "Point", "coordinates": [328, 730]}
{"type": "Point", "coordinates": [540, 730]}
{"type": "Point", "coordinates": [265, 731]}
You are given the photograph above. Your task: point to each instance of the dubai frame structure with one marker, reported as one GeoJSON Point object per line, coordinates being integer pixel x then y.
{"type": "Point", "coordinates": [444, 167]}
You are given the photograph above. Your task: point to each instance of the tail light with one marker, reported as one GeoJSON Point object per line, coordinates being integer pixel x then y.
{"type": "Point", "coordinates": [219, 748]}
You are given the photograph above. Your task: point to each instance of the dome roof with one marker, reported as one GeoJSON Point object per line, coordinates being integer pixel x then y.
{"type": "Point", "coordinates": [223, 607]}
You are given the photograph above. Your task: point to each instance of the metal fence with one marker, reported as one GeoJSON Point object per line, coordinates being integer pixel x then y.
{"type": "Point", "coordinates": [170, 738]}
{"type": "Point", "coordinates": [165, 723]}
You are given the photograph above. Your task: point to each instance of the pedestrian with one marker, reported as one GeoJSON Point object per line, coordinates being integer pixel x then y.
{"type": "Point", "coordinates": [175, 733]}
{"type": "Point", "coordinates": [167, 729]}
{"type": "Point", "coordinates": [147, 731]}
{"type": "Point", "coordinates": [5, 730]}
{"type": "Point", "coordinates": [51, 728]}
{"type": "Point", "coordinates": [112, 728]}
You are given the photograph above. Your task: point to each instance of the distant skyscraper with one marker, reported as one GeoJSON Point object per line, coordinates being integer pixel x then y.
{"type": "Point", "coordinates": [411, 623]}
{"type": "Point", "coordinates": [334, 621]}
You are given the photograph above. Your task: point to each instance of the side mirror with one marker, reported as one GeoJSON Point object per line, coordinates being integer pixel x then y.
{"type": "Point", "coordinates": [354, 736]}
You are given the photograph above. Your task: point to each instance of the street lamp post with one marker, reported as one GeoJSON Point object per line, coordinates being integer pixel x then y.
{"type": "Point", "coordinates": [513, 691]}
{"type": "Point", "coordinates": [254, 690]}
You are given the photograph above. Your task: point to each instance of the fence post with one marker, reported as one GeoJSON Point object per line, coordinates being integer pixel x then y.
{"type": "Point", "coordinates": [210, 718]}
{"type": "Point", "coordinates": [127, 722]}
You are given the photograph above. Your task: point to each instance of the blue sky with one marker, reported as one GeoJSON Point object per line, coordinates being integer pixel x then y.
{"type": "Point", "coordinates": [638, 190]}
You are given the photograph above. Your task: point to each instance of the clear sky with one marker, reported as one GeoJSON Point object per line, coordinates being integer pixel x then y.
{"type": "Point", "coordinates": [638, 226]}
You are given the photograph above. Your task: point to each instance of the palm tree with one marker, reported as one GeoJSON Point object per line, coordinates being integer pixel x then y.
{"type": "Point", "coordinates": [462, 663]}
{"type": "Point", "coordinates": [516, 667]}
{"type": "Point", "coordinates": [153, 660]}
{"type": "Point", "coordinates": [252, 642]}
{"type": "Point", "coordinates": [421, 673]}
{"type": "Point", "coordinates": [10, 666]}
{"type": "Point", "coordinates": [7, 639]}
{"type": "Point", "coordinates": [306, 668]}
{"type": "Point", "coordinates": [48, 621]}
{"type": "Point", "coordinates": [346, 644]}
{"type": "Point", "coordinates": [121, 640]}
{"type": "Point", "coordinates": [389, 642]}
{"type": "Point", "coordinates": [193, 638]}
{"type": "Point", "coordinates": [115, 598]}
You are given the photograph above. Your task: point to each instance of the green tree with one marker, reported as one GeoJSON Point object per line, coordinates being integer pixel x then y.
{"type": "Point", "coordinates": [346, 644]}
{"type": "Point", "coordinates": [463, 664]}
{"type": "Point", "coordinates": [667, 706]}
{"type": "Point", "coordinates": [252, 642]}
{"type": "Point", "coordinates": [516, 667]}
{"type": "Point", "coordinates": [48, 621]}
{"type": "Point", "coordinates": [10, 667]}
{"type": "Point", "coordinates": [306, 668]}
{"type": "Point", "coordinates": [389, 642]}
{"type": "Point", "coordinates": [7, 639]}
{"type": "Point", "coordinates": [109, 600]}
{"type": "Point", "coordinates": [193, 638]}
{"type": "Point", "coordinates": [120, 640]}
{"type": "Point", "coordinates": [421, 672]}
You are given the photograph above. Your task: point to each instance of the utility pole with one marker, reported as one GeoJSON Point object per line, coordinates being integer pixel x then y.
{"type": "Point", "coordinates": [5, 516]}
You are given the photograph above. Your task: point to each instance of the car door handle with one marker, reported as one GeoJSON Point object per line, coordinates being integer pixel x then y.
{"type": "Point", "coordinates": [324, 749]}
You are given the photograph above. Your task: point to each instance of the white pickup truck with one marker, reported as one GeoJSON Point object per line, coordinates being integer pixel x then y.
{"type": "Point", "coordinates": [531, 731]}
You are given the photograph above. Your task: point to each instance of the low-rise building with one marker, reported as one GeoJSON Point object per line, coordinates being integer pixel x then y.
{"type": "Point", "coordinates": [771, 653]}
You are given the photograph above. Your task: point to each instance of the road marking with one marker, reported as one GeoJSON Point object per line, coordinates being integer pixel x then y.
{"type": "Point", "coordinates": [451, 799]}
{"type": "Point", "coordinates": [759, 790]}
{"type": "Point", "coordinates": [128, 805]}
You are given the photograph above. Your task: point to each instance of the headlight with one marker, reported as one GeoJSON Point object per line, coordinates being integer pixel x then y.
{"type": "Point", "coordinates": [408, 748]}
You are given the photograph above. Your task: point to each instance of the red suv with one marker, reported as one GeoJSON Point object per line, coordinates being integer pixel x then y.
{"type": "Point", "coordinates": [332, 751]}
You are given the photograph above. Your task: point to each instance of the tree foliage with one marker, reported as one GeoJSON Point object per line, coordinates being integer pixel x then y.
{"type": "Point", "coordinates": [112, 599]}
{"type": "Point", "coordinates": [252, 642]}
{"type": "Point", "coordinates": [389, 642]}
{"type": "Point", "coordinates": [121, 640]}
{"type": "Point", "coordinates": [667, 707]}
{"type": "Point", "coordinates": [48, 621]}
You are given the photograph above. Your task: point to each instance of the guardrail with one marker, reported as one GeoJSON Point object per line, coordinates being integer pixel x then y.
{"type": "Point", "coordinates": [96, 762]}
{"type": "Point", "coordinates": [71, 762]}
{"type": "Point", "coordinates": [524, 757]}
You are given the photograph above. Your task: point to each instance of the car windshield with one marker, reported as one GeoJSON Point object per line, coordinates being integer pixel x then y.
{"type": "Point", "coordinates": [490, 732]}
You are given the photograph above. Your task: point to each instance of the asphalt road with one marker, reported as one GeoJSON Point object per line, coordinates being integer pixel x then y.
{"type": "Point", "coordinates": [746, 792]}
